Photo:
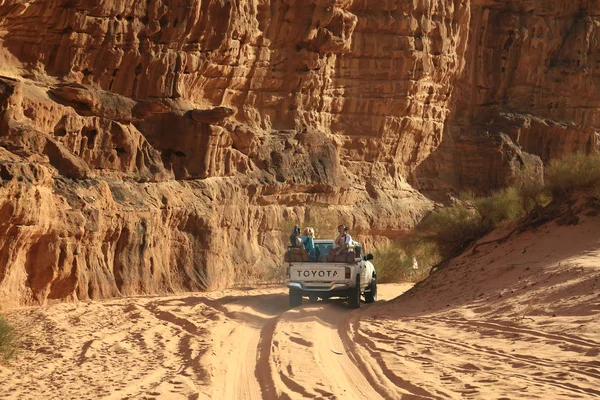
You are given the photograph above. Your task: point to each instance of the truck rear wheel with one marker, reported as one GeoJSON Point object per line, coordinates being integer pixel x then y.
{"type": "Point", "coordinates": [354, 295]}
{"type": "Point", "coordinates": [371, 295]}
{"type": "Point", "coordinates": [295, 298]}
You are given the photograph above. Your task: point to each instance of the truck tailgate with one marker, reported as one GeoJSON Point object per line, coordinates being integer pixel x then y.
{"type": "Point", "coordinates": [317, 272]}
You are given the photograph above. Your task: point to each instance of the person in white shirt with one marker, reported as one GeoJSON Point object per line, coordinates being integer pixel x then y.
{"type": "Point", "coordinates": [342, 241]}
{"type": "Point", "coordinates": [346, 239]}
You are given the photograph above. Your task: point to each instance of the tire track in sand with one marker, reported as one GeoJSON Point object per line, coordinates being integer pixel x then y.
{"type": "Point", "coordinates": [310, 359]}
{"type": "Point", "coordinates": [232, 344]}
{"type": "Point", "coordinates": [295, 353]}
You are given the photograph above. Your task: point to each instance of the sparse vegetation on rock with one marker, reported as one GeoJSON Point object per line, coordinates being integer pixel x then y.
{"type": "Point", "coordinates": [572, 173]}
{"type": "Point", "coordinates": [453, 229]}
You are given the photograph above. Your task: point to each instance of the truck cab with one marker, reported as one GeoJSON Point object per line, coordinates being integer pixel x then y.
{"type": "Point", "coordinates": [348, 273]}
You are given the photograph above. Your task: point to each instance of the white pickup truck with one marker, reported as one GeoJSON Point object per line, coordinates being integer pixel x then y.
{"type": "Point", "coordinates": [348, 275]}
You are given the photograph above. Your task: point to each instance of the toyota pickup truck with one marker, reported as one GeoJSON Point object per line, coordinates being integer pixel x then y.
{"type": "Point", "coordinates": [349, 274]}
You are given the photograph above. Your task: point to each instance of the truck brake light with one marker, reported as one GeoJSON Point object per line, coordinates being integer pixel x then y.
{"type": "Point", "coordinates": [347, 272]}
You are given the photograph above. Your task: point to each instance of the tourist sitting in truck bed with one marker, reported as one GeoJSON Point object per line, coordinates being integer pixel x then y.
{"type": "Point", "coordinates": [342, 241]}
{"type": "Point", "coordinates": [295, 239]}
{"type": "Point", "coordinates": [309, 244]}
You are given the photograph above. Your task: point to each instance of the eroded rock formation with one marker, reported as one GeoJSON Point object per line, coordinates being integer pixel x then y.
{"type": "Point", "coordinates": [528, 93]}
{"type": "Point", "coordinates": [164, 145]}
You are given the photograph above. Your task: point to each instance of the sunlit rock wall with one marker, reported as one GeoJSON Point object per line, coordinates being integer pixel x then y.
{"type": "Point", "coordinates": [161, 146]}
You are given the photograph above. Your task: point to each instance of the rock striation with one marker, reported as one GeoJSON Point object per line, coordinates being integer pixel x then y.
{"type": "Point", "coordinates": [168, 145]}
{"type": "Point", "coordinates": [528, 93]}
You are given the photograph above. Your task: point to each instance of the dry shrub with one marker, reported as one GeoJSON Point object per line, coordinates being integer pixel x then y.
{"type": "Point", "coordinates": [534, 195]}
{"type": "Point", "coordinates": [572, 173]}
{"type": "Point", "coordinates": [391, 264]}
{"type": "Point", "coordinates": [503, 205]}
{"type": "Point", "coordinates": [274, 273]}
{"type": "Point", "coordinates": [7, 340]}
{"type": "Point", "coordinates": [452, 229]}
{"type": "Point", "coordinates": [394, 263]}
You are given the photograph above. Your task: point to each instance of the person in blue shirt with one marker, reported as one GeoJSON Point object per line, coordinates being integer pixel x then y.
{"type": "Point", "coordinates": [308, 240]}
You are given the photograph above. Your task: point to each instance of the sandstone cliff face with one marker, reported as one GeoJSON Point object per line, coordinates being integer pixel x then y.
{"type": "Point", "coordinates": [528, 91]}
{"type": "Point", "coordinates": [377, 75]}
{"type": "Point", "coordinates": [163, 145]}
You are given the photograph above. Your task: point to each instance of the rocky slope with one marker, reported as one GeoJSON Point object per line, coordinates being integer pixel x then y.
{"type": "Point", "coordinates": [164, 145]}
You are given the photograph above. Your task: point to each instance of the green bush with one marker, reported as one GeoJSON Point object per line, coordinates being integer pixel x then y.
{"type": "Point", "coordinates": [503, 205]}
{"type": "Point", "coordinates": [391, 264]}
{"type": "Point", "coordinates": [395, 264]}
{"type": "Point", "coordinates": [572, 173]}
{"type": "Point", "coordinates": [534, 195]}
{"type": "Point", "coordinates": [7, 340]}
{"type": "Point", "coordinates": [452, 228]}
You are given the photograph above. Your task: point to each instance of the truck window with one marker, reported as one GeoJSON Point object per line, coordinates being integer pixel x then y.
{"type": "Point", "coordinates": [322, 250]}
{"type": "Point", "coordinates": [359, 252]}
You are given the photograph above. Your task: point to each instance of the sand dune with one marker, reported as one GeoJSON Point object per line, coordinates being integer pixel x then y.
{"type": "Point", "coordinates": [516, 320]}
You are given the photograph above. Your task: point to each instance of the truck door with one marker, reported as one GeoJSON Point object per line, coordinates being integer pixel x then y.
{"type": "Point", "coordinates": [364, 279]}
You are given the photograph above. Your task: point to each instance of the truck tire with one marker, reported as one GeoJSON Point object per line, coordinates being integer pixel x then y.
{"type": "Point", "coordinates": [295, 298]}
{"type": "Point", "coordinates": [371, 295]}
{"type": "Point", "coordinates": [354, 295]}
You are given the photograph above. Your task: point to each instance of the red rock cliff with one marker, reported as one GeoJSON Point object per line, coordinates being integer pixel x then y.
{"type": "Point", "coordinates": [528, 93]}
{"type": "Point", "coordinates": [161, 146]}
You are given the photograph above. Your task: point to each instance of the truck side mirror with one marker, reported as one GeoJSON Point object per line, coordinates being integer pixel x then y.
{"type": "Point", "coordinates": [369, 257]}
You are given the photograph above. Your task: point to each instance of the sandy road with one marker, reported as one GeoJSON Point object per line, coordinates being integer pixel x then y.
{"type": "Point", "coordinates": [266, 350]}
{"type": "Point", "coordinates": [234, 344]}
{"type": "Point", "coordinates": [517, 321]}
{"type": "Point", "coordinates": [247, 344]}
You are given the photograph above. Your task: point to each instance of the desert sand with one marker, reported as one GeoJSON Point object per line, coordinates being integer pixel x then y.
{"type": "Point", "coordinates": [515, 320]}
{"type": "Point", "coordinates": [232, 344]}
